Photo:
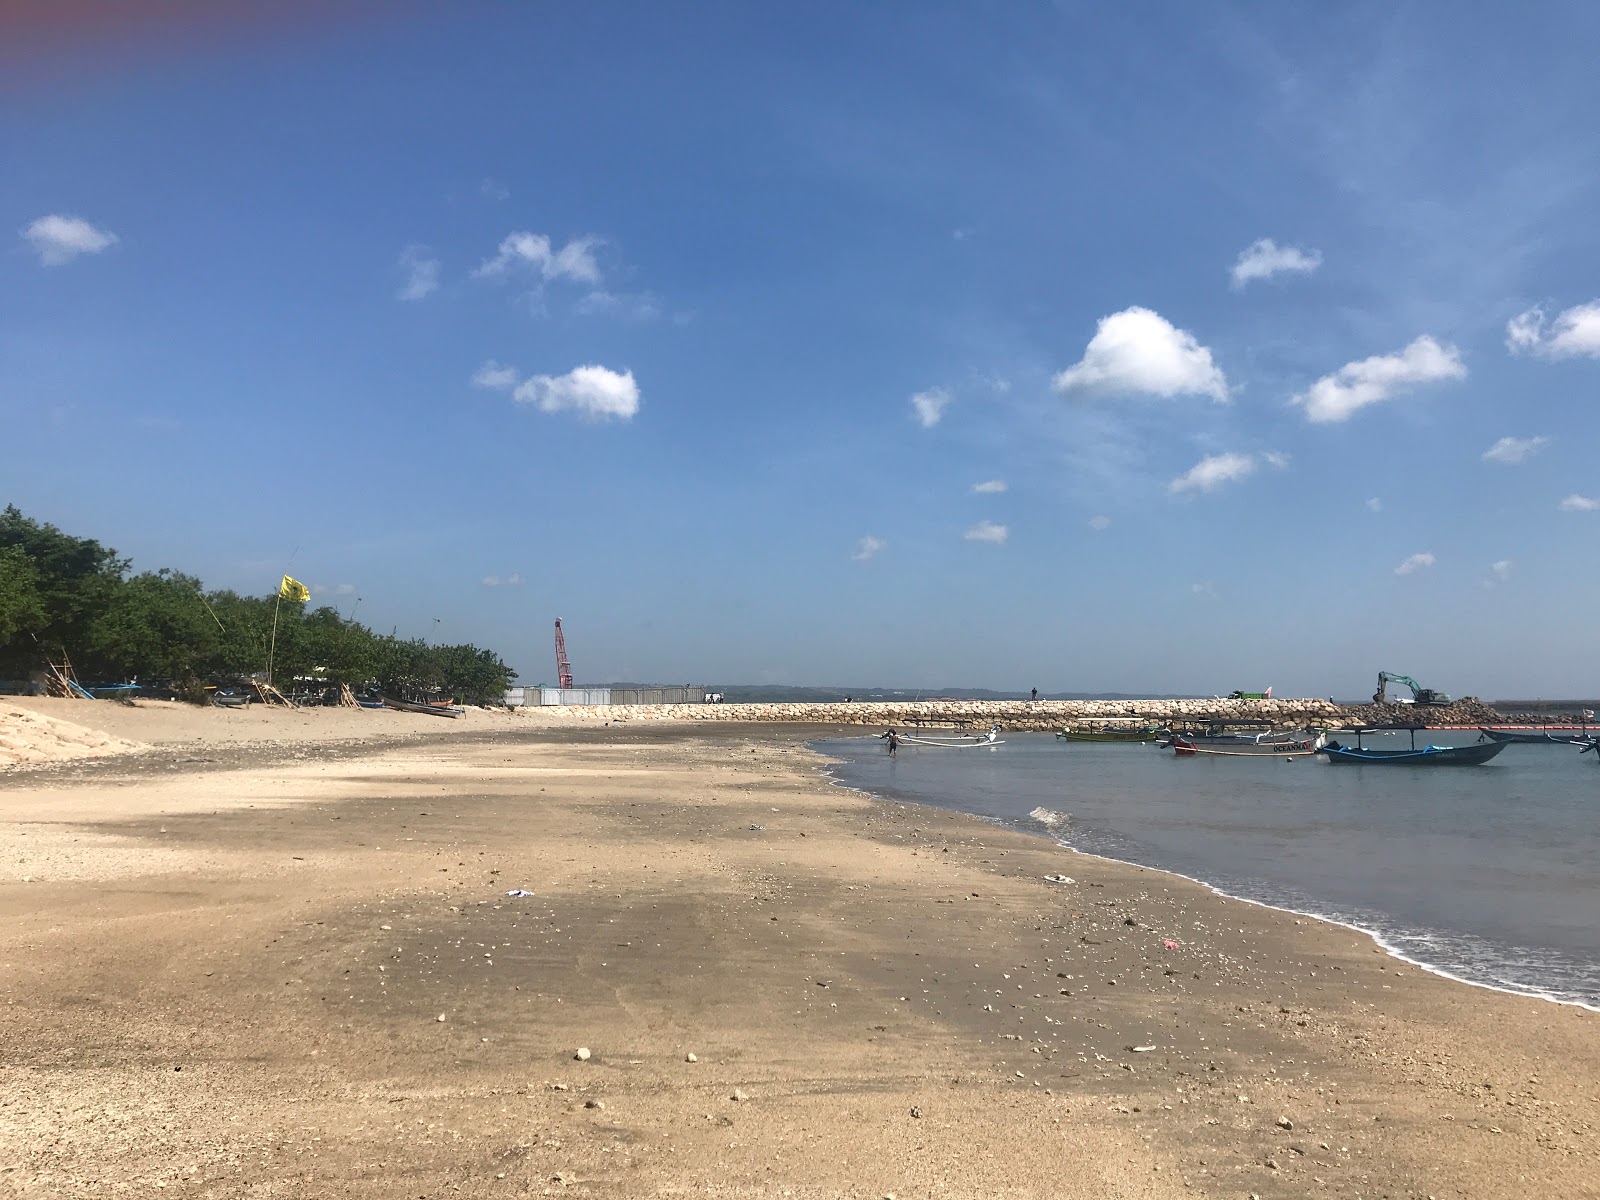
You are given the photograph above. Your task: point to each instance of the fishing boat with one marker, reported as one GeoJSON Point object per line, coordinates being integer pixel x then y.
{"type": "Point", "coordinates": [1298, 748]}
{"type": "Point", "coordinates": [1530, 737]}
{"type": "Point", "coordinates": [1469, 755]}
{"type": "Point", "coordinates": [1112, 733]}
{"type": "Point", "coordinates": [992, 738]}
{"type": "Point", "coordinates": [433, 710]}
{"type": "Point", "coordinates": [1237, 732]}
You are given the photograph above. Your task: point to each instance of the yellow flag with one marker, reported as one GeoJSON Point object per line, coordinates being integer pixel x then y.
{"type": "Point", "coordinates": [293, 589]}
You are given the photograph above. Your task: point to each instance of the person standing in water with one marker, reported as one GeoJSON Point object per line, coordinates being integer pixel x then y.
{"type": "Point", "coordinates": [893, 738]}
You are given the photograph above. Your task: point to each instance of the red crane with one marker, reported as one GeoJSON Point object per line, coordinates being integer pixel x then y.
{"type": "Point", "coordinates": [563, 667]}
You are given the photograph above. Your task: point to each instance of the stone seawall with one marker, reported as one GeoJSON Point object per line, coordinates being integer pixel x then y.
{"type": "Point", "coordinates": [1037, 715]}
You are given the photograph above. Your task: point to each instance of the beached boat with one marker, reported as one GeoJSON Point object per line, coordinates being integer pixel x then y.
{"type": "Point", "coordinates": [1112, 734]}
{"type": "Point", "coordinates": [1530, 737]}
{"type": "Point", "coordinates": [1470, 755]}
{"type": "Point", "coordinates": [1298, 748]}
{"type": "Point", "coordinates": [433, 710]}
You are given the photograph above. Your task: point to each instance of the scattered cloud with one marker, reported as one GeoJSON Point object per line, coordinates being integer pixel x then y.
{"type": "Point", "coordinates": [1212, 472]}
{"type": "Point", "coordinates": [1265, 258]}
{"type": "Point", "coordinates": [989, 487]}
{"type": "Point", "coordinates": [421, 271]}
{"type": "Point", "coordinates": [1276, 459]}
{"type": "Point", "coordinates": [1139, 352]}
{"type": "Point", "coordinates": [493, 189]}
{"type": "Point", "coordinates": [596, 393]}
{"type": "Point", "coordinates": [1371, 380]}
{"type": "Point", "coordinates": [930, 405]}
{"type": "Point", "coordinates": [1414, 564]}
{"type": "Point", "coordinates": [573, 261]}
{"type": "Point", "coordinates": [1512, 450]}
{"type": "Point", "coordinates": [988, 531]}
{"type": "Point", "coordinates": [1203, 588]}
{"type": "Point", "coordinates": [1577, 503]}
{"type": "Point", "coordinates": [345, 589]}
{"type": "Point", "coordinates": [490, 581]}
{"type": "Point", "coordinates": [1375, 505]}
{"type": "Point", "coordinates": [496, 376]}
{"type": "Point", "coordinates": [869, 547]}
{"type": "Point", "coordinates": [1501, 571]}
{"type": "Point", "coordinates": [1099, 522]}
{"type": "Point", "coordinates": [641, 307]}
{"type": "Point", "coordinates": [1573, 333]}
{"type": "Point", "coordinates": [58, 239]}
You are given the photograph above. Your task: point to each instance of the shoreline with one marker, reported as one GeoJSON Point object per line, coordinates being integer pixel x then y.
{"type": "Point", "coordinates": [227, 976]}
{"type": "Point", "coordinates": [1379, 938]}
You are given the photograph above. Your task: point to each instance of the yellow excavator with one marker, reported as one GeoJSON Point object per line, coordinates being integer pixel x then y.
{"type": "Point", "coordinates": [1419, 694]}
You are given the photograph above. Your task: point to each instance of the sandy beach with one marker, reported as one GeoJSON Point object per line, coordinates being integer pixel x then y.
{"type": "Point", "coordinates": [272, 954]}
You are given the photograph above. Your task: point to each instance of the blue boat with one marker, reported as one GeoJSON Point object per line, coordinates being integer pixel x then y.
{"type": "Point", "coordinates": [1470, 755]}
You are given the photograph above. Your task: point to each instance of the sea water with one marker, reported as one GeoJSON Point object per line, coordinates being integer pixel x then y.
{"type": "Point", "coordinates": [1490, 874]}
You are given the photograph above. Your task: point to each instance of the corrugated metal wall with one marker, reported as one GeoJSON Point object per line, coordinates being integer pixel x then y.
{"type": "Point", "coordinates": [517, 697]}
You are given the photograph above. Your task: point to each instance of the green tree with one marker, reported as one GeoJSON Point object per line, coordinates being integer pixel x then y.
{"type": "Point", "coordinates": [22, 612]}
{"type": "Point", "coordinates": [76, 579]}
{"type": "Point", "coordinates": [155, 625]}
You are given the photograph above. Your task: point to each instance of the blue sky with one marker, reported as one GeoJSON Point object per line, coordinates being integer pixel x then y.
{"type": "Point", "coordinates": [701, 327]}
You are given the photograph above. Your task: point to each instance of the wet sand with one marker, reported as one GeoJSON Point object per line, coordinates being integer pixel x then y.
{"type": "Point", "coordinates": [226, 960]}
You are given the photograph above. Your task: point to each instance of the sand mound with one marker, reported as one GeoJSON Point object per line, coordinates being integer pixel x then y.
{"type": "Point", "coordinates": [29, 737]}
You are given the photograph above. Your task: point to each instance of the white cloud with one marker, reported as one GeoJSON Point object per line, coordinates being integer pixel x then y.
{"type": "Point", "coordinates": [1203, 588]}
{"type": "Point", "coordinates": [1276, 459]}
{"type": "Point", "coordinates": [1137, 351]}
{"type": "Point", "coordinates": [422, 273]}
{"type": "Point", "coordinates": [1501, 570]}
{"type": "Point", "coordinates": [1512, 450]}
{"type": "Point", "coordinates": [345, 589]}
{"type": "Point", "coordinates": [1573, 333]}
{"type": "Point", "coordinates": [1265, 258]}
{"type": "Point", "coordinates": [1099, 522]}
{"type": "Point", "coordinates": [59, 239]}
{"type": "Point", "coordinates": [495, 581]}
{"type": "Point", "coordinates": [930, 405]}
{"type": "Point", "coordinates": [573, 261]}
{"type": "Point", "coordinates": [1414, 564]}
{"type": "Point", "coordinates": [496, 376]}
{"type": "Point", "coordinates": [1577, 503]}
{"type": "Point", "coordinates": [1212, 472]}
{"type": "Point", "coordinates": [868, 547]}
{"type": "Point", "coordinates": [989, 487]}
{"type": "Point", "coordinates": [641, 307]}
{"type": "Point", "coordinates": [596, 393]}
{"type": "Point", "coordinates": [1375, 505]}
{"type": "Point", "coordinates": [1371, 380]}
{"type": "Point", "coordinates": [987, 531]}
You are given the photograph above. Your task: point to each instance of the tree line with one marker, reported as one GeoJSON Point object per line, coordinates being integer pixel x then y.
{"type": "Point", "coordinates": [65, 595]}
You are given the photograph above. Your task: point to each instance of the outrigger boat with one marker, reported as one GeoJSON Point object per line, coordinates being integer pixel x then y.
{"type": "Point", "coordinates": [1112, 733]}
{"type": "Point", "coordinates": [1537, 738]}
{"type": "Point", "coordinates": [1469, 755]}
{"type": "Point", "coordinates": [1300, 748]}
{"type": "Point", "coordinates": [992, 738]}
{"type": "Point", "coordinates": [1245, 733]}
{"type": "Point", "coordinates": [433, 710]}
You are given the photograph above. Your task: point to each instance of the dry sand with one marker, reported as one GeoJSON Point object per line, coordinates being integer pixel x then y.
{"type": "Point", "coordinates": [226, 960]}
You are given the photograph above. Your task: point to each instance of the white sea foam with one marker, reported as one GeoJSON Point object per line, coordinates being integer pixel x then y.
{"type": "Point", "coordinates": [1049, 818]}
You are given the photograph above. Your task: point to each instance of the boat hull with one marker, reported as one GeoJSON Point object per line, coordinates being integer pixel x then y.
{"type": "Point", "coordinates": [432, 710]}
{"type": "Point", "coordinates": [1185, 748]}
